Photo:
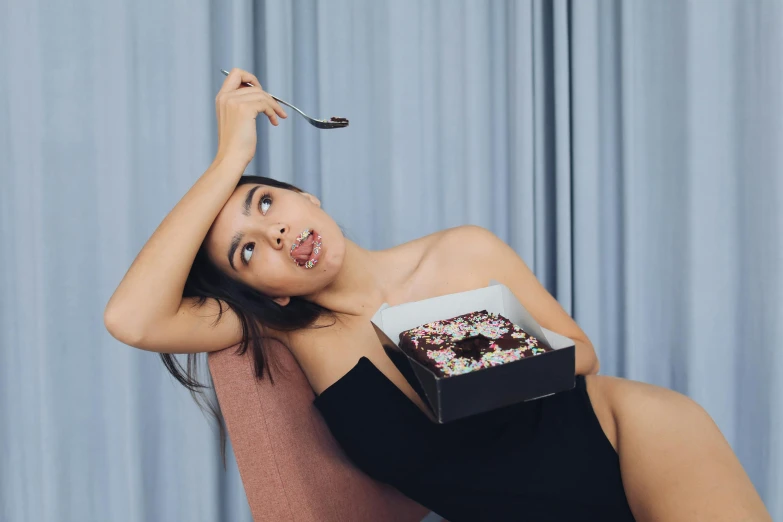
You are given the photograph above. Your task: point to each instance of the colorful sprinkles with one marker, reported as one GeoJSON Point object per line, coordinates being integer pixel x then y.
{"type": "Point", "coordinates": [437, 343]}
{"type": "Point", "coordinates": [316, 248]}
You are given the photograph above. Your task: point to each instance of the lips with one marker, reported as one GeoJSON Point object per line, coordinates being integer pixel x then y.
{"type": "Point", "coordinates": [306, 250]}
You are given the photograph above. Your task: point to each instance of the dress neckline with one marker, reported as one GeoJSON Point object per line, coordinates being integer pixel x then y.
{"type": "Point", "coordinates": [337, 383]}
{"type": "Point", "coordinates": [365, 364]}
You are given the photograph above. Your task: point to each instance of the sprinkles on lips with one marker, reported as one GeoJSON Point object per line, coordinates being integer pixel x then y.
{"type": "Point", "coordinates": [316, 248]}
{"type": "Point", "coordinates": [469, 342]}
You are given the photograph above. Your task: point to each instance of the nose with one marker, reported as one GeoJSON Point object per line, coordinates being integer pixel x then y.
{"type": "Point", "coordinates": [276, 234]}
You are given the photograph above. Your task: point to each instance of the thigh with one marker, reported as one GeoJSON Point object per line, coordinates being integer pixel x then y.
{"type": "Point", "coordinates": [675, 463]}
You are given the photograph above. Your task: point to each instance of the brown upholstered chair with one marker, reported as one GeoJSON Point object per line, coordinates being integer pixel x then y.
{"type": "Point", "coordinates": [291, 467]}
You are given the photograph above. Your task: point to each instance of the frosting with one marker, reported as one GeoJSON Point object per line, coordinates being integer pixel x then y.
{"type": "Point", "coordinates": [468, 343]}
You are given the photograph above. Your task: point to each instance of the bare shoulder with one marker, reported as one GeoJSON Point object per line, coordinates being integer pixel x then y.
{"type": "Point", "coordinates": [477, 249]}
{"type": "Point", "coordinates": [472, 241]}
{"type": "Point", "coordinates": [485, 257]}
{"type": "Point", "coordinates": [464, 232]}
{"type": "Point", "coordinates": [329, 351]}
{"type": "Point", "coordinates": [332, 346]}
{"type": "Point", "coordinates": [468, 248]}
{"type": "Point", "coordinates": [453, 239]}
{"type": "Point", "coordinates": [422, 247]}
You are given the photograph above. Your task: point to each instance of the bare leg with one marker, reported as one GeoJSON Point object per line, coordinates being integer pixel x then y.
{"type": "Point", "coordinates": [675, 463]}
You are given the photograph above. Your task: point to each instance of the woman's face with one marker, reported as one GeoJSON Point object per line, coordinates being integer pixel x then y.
{"type": "Point", "coordinates": [278, 241]}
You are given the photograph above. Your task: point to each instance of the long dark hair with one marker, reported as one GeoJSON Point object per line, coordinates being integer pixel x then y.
{"type": "Point", "coordinates": [255, 311]}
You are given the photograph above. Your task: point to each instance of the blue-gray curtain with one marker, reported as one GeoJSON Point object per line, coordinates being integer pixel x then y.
{"type": "Point", "coordinates": [629, 151]}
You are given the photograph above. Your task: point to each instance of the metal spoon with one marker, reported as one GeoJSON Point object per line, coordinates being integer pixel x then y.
{"type": "Point", "coordinates": [333, 123]}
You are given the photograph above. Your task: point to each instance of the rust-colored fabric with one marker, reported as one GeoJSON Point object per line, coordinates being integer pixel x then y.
{"type": "Point", "coordinates": [290, 465]}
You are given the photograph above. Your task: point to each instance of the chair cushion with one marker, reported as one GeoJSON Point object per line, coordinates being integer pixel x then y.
{"type": "Point", "coordinates": [291, 467]}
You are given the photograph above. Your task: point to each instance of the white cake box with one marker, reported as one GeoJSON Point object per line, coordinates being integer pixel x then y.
{"type": "Point", "coordinates": [458, 396]}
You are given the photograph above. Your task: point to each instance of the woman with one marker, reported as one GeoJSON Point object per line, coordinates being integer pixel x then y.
{"type": "Point", "coordinates": [611, 449]}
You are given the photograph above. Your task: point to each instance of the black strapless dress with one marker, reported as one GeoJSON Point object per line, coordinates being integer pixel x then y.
{"type": "Point", "coordinates": [543, 460]}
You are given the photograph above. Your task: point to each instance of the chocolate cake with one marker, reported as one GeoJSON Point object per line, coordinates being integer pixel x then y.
{"type": "Point", "coordinates": [469, 342]}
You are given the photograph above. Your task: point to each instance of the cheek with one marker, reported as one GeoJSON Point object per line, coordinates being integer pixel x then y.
{"type": "Point", "coordinates": [273, 270]}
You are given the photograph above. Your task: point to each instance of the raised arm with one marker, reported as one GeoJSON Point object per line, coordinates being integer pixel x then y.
{"type": "Point", "coordinates": [501, 263]}
{"type": "Point", "coordinates": [147, 310]}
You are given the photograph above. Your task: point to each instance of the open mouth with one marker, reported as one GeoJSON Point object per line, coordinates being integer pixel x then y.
{"type": "Point", "coordinates": [306, 250]}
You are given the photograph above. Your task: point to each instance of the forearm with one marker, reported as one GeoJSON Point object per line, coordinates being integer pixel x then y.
{"type": "Point", "coordinates": [586, 359]}
{"type": "Point", "coordinates": [152, 288]}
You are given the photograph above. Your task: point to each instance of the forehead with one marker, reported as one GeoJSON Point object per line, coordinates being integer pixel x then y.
{"type": "Point", "coordinates": [231, 216]}
{"type": "Point", "coordinates": [229, 220]}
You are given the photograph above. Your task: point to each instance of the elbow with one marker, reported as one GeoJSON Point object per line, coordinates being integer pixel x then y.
{"type": "Point", "coordinates": [120, 327]}
{"type": "Point", "coordinates": [596, 363]}
{"type": "Point", "coordinates": [586, 359]}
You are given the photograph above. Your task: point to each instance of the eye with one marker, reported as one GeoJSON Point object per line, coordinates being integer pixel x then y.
{"type": "Point", "coordinates": [264, 203]}
{"type": "Point", "coordinates": [247, 252]}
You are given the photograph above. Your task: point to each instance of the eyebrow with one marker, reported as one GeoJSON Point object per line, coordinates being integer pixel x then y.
{"type": "Point", "coordinates": [239, 235]}
{"type": "Point", "coordinates": [249, 199]}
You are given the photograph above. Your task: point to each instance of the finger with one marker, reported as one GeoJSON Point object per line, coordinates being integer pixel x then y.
{"type": "Point", "coordinates": [236, 78]}
{"type": "Point", "coordinates": [257, 94]}
{"type": "Point", "coordinates": [278, 109]}
{"type": "Point", "coordinates": [271, 115]}
{"type": "Point", "coordinates": [252, 79]}
{"type": "Point", "coordinates": [262, 106]}
{"type": "Point", "coordinates": [232, 81]}
{"type": "Point", "coordinates": [245, 95]}
{"type": "Point", "coordinates": [250, 96]}
{"type": "Point", "coordinates": [240, 97]}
